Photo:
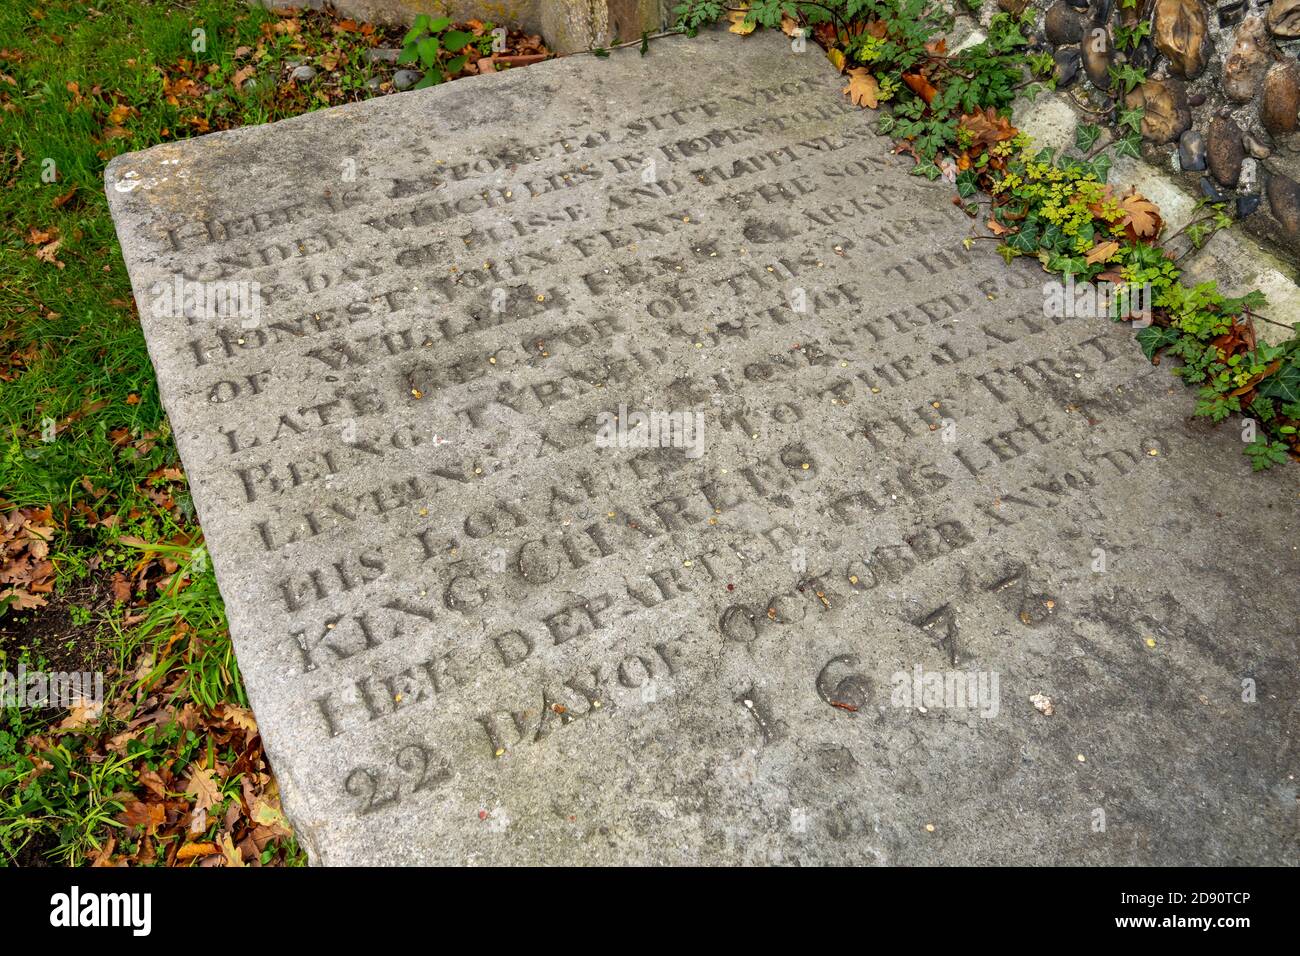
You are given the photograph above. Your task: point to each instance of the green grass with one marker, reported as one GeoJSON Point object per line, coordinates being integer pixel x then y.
{"type": "Point", "coordinates": [84, 363]}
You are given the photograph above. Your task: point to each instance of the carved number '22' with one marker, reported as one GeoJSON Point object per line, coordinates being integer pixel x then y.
{"type": "Point", "coordinates": [414, 762]}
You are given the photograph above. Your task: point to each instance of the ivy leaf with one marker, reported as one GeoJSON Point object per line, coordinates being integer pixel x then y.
{"type": "Point", "coordinates": [1051, 237]}
{"type": "Point", "coordinates": [1086, 136]}
{"type": "Point", "coordinates": [1154, 338]}
{"type": "Point", "coordinates": [1284, 385]}
{"type": "Point", "coordinates": [1066, 265]}
{"type": "Point", "coordinates": [1132, 119]}
{"type": "Point", "coordinates": [1130, 145]}
{"type": "Point", "coordinates": [1101, 167]}
{"type": "Point", "coordinates": [1026, 240]}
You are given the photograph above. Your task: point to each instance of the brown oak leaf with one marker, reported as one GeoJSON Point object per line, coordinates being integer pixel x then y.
{"type": "Point", "coordinates": [863, 90]}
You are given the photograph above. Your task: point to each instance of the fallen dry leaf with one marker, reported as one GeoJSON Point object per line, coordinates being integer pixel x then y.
{"type": "Point", "coordinates": [231, 853]}
{"type": "Point", "coordinates": [863, 90]}
{"type": "Point", "coordinates": [737, 18]}
{"type": "Point", "coordinates": [149, 816]}
{"type": "Point", "coordinates": [1101, 252]}
{"type": "Point", "coordinates": [1143, 215]}
{"type": "Point", "coordinates": [202, 786]}
{"type": "Point", "coordinates": [191, 850]}
{"type": "Point", "coordinates": [920, 86]}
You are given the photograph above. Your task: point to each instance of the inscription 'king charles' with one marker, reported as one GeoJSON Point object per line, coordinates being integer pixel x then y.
{"type": "Point", "coordinates": [626, 461]}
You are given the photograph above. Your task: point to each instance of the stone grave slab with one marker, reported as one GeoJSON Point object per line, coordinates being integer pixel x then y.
{"type": "Point", "coordinates": [884, 516]}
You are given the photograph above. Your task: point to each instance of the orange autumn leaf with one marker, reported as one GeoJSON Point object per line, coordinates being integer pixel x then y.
{"type": "Point", "coordinates": [920, 86]}
{"type": "Point", "coordinates": [1142, 215]}
{"type": "Point", "coordinates": [148, 816]}
{"type": "Point", "coordinates": [191, 850]}
{"type": "Point", "coordinates": [120, 114]}
{"type": "Point", "coordinates": [1101, 252]}
{"type": "Point", "coordinates": [230, 853]}
{"type": "Point", "coordinates": [986, 127]}
{"type": "Point", "coordinates": [202, 785]}
{"type": "Point", "coordinates": [863, 90]}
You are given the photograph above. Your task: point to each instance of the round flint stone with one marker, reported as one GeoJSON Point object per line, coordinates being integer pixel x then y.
{"type": "Point", "coordinates": [303, 74]}
{"type": "Point", "coordinates": [405, 79]}
{"type": "Point", "coordinates": [1062, 24]}
{"type": "Point", "coordinates": [1096, 60]}
{"type": "Point", "coordinates": [1247, 204]}
{"type": "Point", "coordinates": [1224, 152]}
{"type": "Point", "coordinates": [1067, 67]}
{"type": "Point", "coordinates": [1191, 151]}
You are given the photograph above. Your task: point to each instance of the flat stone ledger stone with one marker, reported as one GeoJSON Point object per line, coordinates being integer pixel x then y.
{"type": "Point", "coordinates": [479, 623]}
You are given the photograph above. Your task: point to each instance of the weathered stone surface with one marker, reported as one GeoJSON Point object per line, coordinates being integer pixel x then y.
{"type": "Point", "coordinates": [1165, 110]}
{"type": "Point", "coordinates": [1224, 150]}
{"type": "Point", "coordinates": [1181, 33]}
{"type": "Point", "coordinates": [472, 633]}
{"type": "Point", "coordinates": [1279, 104]}
{"type": "Point", "coordinates": [1063, 24]}
{"type": "Point", "coordinates": [1284, 18]}
{"type": "Point", "coordinates": [1250, 57]}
